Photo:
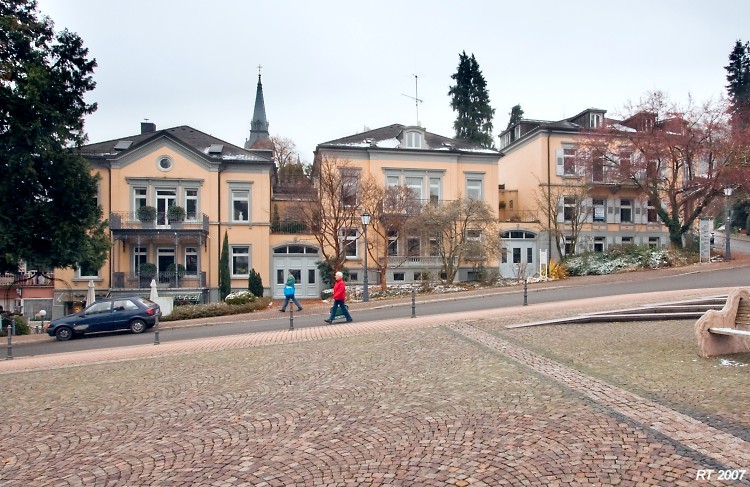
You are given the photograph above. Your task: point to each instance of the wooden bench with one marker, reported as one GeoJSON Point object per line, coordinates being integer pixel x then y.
{"type": "Point", "coordinates": [725, 331]}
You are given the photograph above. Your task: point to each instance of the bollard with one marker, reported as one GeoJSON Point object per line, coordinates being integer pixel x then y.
{"type": "Point", "coordinates": [156, 331]}
{"type": "Point", "coordinates": [525, 292]}
{"type": "Point", "coordinates": [291, 318]}
{"type": "Point", "coordinates": [10, 343]}
{"type": "Point", "coordinates": [413, 303]}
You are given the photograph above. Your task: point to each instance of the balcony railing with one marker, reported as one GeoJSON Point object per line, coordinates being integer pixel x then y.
{"type": "Point", "coordinates": [290, 227]}
{"type": "Point", "coordinates": [27, 279]}
{"type": "Point", "coordinates": [413, 261]}
{"type": "Point", "coordinates": [168, 279]}
{"type": "Point", "coordinates": [521, 216]}
{"type": "Point", "coordinates": [130, 221]}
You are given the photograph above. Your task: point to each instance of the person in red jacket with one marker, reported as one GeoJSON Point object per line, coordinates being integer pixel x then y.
{"type": "Point", "coordinates": [339, 298]}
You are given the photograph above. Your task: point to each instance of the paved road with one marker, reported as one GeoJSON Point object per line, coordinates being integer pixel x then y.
{"type": "Point", "coordinates": [694, 277]}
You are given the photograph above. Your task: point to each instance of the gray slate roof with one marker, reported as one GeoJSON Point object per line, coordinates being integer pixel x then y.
{"type": "Point", "coordinates": [198, 142]}
{"type": "Point", "coordinates": [389, 136]}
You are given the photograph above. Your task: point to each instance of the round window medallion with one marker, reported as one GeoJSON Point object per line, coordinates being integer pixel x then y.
{"type": "Point", "coordinates": [165, 163]}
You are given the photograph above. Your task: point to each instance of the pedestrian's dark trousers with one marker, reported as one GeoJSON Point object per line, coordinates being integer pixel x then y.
{"type": "Point", "coordinates": [336, 304]}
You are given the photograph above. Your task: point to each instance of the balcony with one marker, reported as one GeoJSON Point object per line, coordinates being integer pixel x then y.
{"type": "Point", "coordinates": [520, 216]}
{"type": "Point", "coordinates": [128, 222]}
{"type": "Point", "coordinates": [290, 228]}
{"type": "Point", "coordinates": [425, 261]}
{"type": "Point", "coordinates": [27, 279]}
{"type": "Point", "coordinates": [164, 280]}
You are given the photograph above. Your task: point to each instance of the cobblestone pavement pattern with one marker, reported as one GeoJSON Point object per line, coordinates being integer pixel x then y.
{"type": "Point", "coordinates": [449, 400]}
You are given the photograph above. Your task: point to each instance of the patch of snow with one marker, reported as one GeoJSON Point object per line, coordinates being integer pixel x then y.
{"type": "Point", "coordinates": [731, 363]}
{"type": "Point", "coordinates": [392, 143]}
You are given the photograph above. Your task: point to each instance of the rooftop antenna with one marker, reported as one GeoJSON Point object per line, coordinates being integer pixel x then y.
{"type": "Point", "coordinates": [416, 99]}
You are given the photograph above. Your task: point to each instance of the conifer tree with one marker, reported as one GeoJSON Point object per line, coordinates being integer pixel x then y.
{"type": "Point", "coordinates": [516, 114]}
{"type": "Point", "coordinates": [225, 282]}
{"type": "Point", "coordinates": [738, 82]}
{"type": "Point", "coordinates": [49, 215]}
{"type": "Point", "coordinates": [471, 100]}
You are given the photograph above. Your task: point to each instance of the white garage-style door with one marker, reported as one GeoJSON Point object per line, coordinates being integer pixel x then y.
{"type": "Point", "coordinates": [298, 260]}
{"type": "Point", "coordinates": [518, 254]}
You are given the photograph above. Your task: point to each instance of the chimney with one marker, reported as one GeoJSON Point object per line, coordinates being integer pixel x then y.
{"type": "Point", "coordinates": [148, 127]}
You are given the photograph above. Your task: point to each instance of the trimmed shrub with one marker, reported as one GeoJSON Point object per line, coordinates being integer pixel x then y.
{"type": "Point", "coordinates": [239, 298]}
{"type": "Point", "coordinates": [255, 283]}
{"type": "Point", "coordinates": [195, 311]}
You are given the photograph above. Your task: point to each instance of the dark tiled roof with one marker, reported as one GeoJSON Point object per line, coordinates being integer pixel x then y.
{"type": "Point", "coordinates": [384, 138]}
{"type": "Point", "coordinates": [199, 142]}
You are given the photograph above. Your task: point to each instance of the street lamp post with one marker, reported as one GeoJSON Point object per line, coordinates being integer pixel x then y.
{"type": "Point", "coordinates": [366, 291]}
{"type": "Point", "coordinates": [727, 226]}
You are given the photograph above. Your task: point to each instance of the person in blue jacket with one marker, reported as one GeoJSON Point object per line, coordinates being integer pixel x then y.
{"type": "Point", "coordinates": [289, 294]}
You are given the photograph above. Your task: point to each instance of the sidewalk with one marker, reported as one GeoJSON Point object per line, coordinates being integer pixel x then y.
{"type": "Point", "coordinates": [456, 399]}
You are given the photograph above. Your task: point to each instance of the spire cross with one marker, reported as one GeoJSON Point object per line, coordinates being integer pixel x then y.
{"type": "Point", "coordinates": [259, 68]}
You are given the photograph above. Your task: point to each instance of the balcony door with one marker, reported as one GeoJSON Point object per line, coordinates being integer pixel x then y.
{"type": "Point", "coordinates": [165, 260]}
{"type": "Point", "coordinates": [165, 199]}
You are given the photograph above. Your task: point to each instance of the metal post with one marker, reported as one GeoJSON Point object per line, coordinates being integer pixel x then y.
{"type": "Point", "coordinates": [413, 303]}
{"type": "Point", "coordinates": [291, 317]}
{"type": "Point", "coordinates": [10, 342]}
{"type": "Point", "coordinates": [525, 291]}
{"type": "Point", "coordinates": [727, 228]}
{"type": "Point", "coordinates": [366, 291]}
{"type": "Point", "coordinates": [156, 331]}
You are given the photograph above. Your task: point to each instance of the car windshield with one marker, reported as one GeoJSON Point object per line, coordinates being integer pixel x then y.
{"type": "Point", "coordinates": [147, 302]}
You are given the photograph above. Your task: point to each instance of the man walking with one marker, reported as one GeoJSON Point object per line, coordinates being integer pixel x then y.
{"type": "Point", "coordinates": [339, 298]}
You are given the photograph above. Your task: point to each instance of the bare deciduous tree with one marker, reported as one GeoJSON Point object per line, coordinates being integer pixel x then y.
{"type": "Point", "coordinates": [334, 210]}
{"type": "Point", "coordinates": [681, 156]}
{"type": "Point", "coordinates": [393, 210]}
{"type": "Point", "coordinates": [566, 208]}
{"type": "Point", "coordinates": [461, 230]}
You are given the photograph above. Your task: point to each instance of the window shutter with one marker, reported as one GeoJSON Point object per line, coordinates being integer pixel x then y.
{"type": "Point", "coordinates": [560, 213]}
{"type": "Point", "coordinates": [610, 213]}
{"type": "Point", "coordinates": [617, 214]}
{"type": "Point", "coordinates": [560, 162]}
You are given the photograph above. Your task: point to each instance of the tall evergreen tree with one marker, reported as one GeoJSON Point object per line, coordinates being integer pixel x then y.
{"type": "Point", "coordinates": [738, 82]}
{"type": "Point", "coordinates": [49, 215]}
{"type": "Point", "coordinates": [516, 114]}
{"type": "Point", "coordinates": [225, 281]}
{"type": "Point", "coordinates": [471, 100]}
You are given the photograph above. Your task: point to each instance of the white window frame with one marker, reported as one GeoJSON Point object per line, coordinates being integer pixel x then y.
{"type": "Point", "coordinates": [140, 256]}
{"type": "Point", "coordinates": [348, 238]}
{"type": "Point", "coordinates": [140, 199]}
{"type": "Point", "coordinates": [474, 182]}
{"type": "Point", "coordinates": [350, 187]}
{"type": "Point", "coordinates": [191, 251]}
{"type": "Point", "coordinates": [236, 252]}
{"type": "Point", "coordinates": [239, 196]}
{"type": "Point", "coordinates": [191, 195]}
{"type": "Point", "coordinates": [628, 207]}
{"type": "Point", "coordinates": [413, 139]}
{"type": "Point", "coordinates": [602, 206]}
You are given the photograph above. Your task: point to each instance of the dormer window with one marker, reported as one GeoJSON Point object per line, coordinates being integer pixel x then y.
{"type": "Point", "coordinates": [413, 139]}
{"type": "Point", "coordinates": [595, 120]}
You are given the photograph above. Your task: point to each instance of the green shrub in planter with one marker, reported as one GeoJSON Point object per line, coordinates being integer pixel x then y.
{"type": "Point", "coordinates": [147, 270]}
{"type": "Point", "coordinates": [146, 213]}
{"type": "Point", "coordinates": [176, 214]}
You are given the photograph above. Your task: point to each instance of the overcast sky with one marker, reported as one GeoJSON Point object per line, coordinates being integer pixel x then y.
{"type": "Point", "coordinates": [336, 68]}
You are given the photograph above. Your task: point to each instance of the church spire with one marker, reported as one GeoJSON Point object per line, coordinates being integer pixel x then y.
{"type": "Point", "coordinates": [259, 124]}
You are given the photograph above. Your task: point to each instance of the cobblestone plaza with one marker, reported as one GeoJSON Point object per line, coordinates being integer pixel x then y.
{"type": "Point", "coordinates": [450, 400]}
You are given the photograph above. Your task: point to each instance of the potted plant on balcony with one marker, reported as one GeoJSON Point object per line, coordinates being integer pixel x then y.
{"type": "Point", "coordinates": [147, 215]}
{"type": "Point", "coordinates": [146, 271]}
{"type": "Point", "coordinates": [176, 215]}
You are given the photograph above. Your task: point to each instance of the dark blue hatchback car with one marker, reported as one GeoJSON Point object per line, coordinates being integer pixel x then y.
{"type": "Point", "coordinates": [134, 313]}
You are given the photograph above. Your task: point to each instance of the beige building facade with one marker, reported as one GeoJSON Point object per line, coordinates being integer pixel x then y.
{"type": "Point", "coordinates": [540, 175]}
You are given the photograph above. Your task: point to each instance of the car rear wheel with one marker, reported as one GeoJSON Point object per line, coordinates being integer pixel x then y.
{"type": "Point", "coordinates": [137, 326]}
{"type": "Point", "coordinates": [63, 334]}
